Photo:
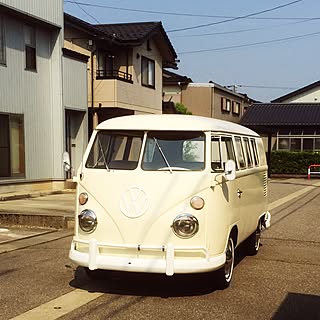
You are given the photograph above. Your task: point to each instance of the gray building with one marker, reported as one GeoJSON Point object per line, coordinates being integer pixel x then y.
{"type": "Point", "coordinates": [43, 102]}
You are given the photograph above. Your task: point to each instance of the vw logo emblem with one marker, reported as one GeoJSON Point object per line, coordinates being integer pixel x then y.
{"type": "Point", "coordinates": [133, 202]}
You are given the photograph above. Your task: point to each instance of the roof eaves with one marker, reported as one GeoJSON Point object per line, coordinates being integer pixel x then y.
{"type": "Point", "coordinates": [86, 27]}
{"type": "Point", "coordinates": [296, 92]}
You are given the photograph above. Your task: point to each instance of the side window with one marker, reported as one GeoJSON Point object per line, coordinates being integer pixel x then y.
{"type": "Point", "coordinates": [221, 151]}
{"type": "Point", "coordinates": [255, 152]}
{"type": "Point", "coordinates": [227, 150]}
{"type": "Point", "coordinates": [248, 152]}
{"type": "Point", "coordinates": [239, 152]}
{"type": "Point", "coordinates": [215, 154]}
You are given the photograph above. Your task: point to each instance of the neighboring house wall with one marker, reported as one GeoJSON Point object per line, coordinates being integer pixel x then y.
{"type": "Point", "coordinates": [75, 104]}
{"type": "Point", "coordinates": [31, 98]}
{"type": "Point", "coordinates": [312, 95]}
{"type": "Point", "coordinates": [209, 100]}
{"type": "Point", "coordinates": [172, 93]}
{"type": "Point", "coordinates": [115, 93]}
{"type": "Point", "coordinates": [50, 11]}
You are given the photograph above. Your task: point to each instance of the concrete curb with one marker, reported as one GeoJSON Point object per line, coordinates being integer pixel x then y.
{"type": "Point", "coordinates": [26, 195]}
{"type": "Point", "coordinates": [36, 220]}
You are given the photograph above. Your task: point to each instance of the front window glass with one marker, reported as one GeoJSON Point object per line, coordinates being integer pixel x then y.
{"type": "Point", "coordinates": [174, 151]}
{"type": "Point", "coordinates": [115, 150]}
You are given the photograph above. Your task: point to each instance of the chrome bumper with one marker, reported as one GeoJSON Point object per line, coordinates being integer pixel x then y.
{"type": "Point", "coordinates": [167, 264]}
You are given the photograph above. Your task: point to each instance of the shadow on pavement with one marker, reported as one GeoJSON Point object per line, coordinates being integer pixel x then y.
{"type": "Point", "coordinates": [299, 306]}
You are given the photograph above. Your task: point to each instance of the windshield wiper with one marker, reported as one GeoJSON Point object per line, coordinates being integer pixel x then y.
{"type": "Point", "coordinates": [162, 154]}
{"type": "Point", "coordinates": [104, 158]}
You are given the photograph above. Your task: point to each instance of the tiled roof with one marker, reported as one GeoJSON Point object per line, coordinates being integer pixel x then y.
{"type": "Point", "coordinates": [173, 78]}
{"type": "Point", "coordinates": [282, 114]}
{"type": "Point", "coordinates": [297, 92]}
{"type": "Point", "coordinates": [129, 32]}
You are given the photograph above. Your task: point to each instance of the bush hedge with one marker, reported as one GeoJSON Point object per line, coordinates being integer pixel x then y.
{"type": "Point", "coordinates": [283, 162]}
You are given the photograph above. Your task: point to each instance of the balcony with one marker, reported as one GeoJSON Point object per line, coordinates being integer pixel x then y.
{"type": "Point", "coordinates": [114, 74]}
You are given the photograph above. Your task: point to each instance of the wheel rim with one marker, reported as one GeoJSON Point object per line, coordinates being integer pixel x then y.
{"type": "Point", "coordinates": [257, 237]}
{"type": "Point", "coordinates": [228, 267]}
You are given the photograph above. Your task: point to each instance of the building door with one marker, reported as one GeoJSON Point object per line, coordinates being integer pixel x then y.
{"type": "Point", "coordinates": [5, 170]}
{"type": "Point", "coordinates": [75, 139]}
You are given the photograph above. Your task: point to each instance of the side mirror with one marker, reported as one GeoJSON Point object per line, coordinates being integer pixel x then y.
{"type": "Point", "coordinates": [66, 161]}
{"type": "Point", "coordinates": [230, 170]}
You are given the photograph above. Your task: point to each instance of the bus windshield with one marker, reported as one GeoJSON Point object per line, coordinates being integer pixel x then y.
{"type": "Point", "coordinates": [174, 151]}
{"type": "Point", "coordinates": [115, 150]}
{"type": "Point", "coordinates": [164, 150]}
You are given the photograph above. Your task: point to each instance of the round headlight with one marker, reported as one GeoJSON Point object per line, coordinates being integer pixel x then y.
{"type": "Point", "coordinates": [87, 220]}
{"type": "Point", "coordinates": [83, 198]}
{"type": "Point", "coordinates": [197, 203]}
{"type": "Point", "coordinates": [185, 225]}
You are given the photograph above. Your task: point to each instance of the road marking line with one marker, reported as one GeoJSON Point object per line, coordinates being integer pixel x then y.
{"type": "Point", "coordinates": [291, 196]}
{"type": "Point", "coordinates": [60, 306]}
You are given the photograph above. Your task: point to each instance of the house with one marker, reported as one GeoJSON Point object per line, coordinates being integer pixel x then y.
{"type": "Point", "coordinates": [125, 65]}
{"type": "Point", "coordinates": [288, 123]}
{"type": "Point", "coordinates": [41, 106]}
{"type": "Point", "coordinates": [204, 99]}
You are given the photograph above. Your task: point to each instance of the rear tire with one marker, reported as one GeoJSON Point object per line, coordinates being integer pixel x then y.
{"type": "Point", "coordinates": [253, 242]}
{"type": "Point", "coordinates": [224, 275]}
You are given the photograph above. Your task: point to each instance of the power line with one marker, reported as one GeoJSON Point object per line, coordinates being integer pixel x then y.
{"type": "Point", "coordinates": [78, 5]}
{"type": "Point", "coordinates": [239, 31]}
{"type": "Point", "coordinates": [252, 44]}
{"type": "Point", "coordinates": [185, 14]}
{"type": "Point", "coordinates": [234, 19]}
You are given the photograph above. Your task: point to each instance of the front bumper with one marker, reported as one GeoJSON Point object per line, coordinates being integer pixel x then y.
{"type": "Point", "coordinates": [166, 263]}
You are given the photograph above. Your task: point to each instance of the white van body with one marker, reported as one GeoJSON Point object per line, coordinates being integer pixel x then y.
{"type": "Point", "coordinates": [153, 195]}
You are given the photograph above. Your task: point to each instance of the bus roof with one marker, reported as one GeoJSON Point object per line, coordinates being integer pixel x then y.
{"type": "Point", "coordinates": [173, 122]}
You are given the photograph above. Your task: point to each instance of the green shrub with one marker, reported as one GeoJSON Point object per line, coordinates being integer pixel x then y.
{"type": "Point", "coordinates": [181, 108]}
{"type": "Point", "coordinates": [284, 162]}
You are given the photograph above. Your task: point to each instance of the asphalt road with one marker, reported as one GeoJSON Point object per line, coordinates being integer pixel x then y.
{"type": "Point", "coordinates": [281, 282]}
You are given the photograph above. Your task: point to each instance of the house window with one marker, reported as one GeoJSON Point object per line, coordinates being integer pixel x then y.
{"type": "Point", "coordinates": [235, 107]}
{"type": "Point", "coordinates": [2, 42]}
{"type": "Point", "coordinates": [225, 104]}
{"type": "Point", "coordinates": [147, 72]}
{"type": "Point", "coordinates": [30, 47]}
{"type": "Point", "coordinates": [308, 144]}
{"type": "Point", "coordinates": [12, 162]}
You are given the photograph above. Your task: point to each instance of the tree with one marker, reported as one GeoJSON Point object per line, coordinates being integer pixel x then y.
{"type": "Point", "coordinates": [181, 108]}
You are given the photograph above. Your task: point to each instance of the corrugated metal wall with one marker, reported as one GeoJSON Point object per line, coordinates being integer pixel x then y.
{"type": "Point", "coordinates": [75, 93]}
{"type": "Point", "coordinates": [49, 10]}
{"type": "Point", "coordinates": [36, 95]}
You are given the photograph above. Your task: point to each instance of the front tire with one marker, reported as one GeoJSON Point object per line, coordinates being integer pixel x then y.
{"type": "Point", "coordinates": [224, 275]}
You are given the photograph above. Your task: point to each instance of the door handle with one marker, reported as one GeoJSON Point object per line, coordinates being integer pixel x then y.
{"type": "Point", "coordinates": [239, 193]}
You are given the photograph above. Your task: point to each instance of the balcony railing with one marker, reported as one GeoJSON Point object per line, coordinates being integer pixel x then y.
{"type": "Point", "coordinates": [114, 74]}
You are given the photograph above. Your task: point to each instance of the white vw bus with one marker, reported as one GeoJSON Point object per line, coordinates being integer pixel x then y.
{"type": "Point", "coordinates": [169, 194]}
